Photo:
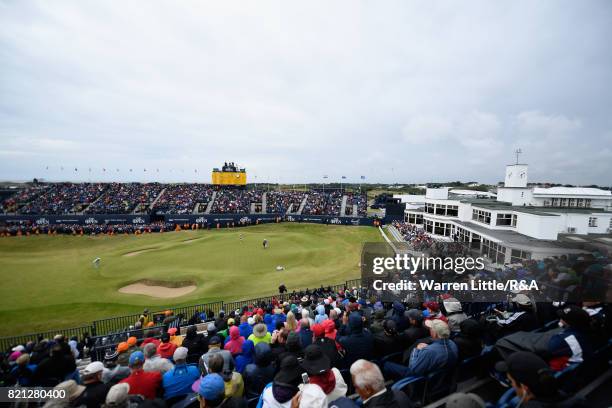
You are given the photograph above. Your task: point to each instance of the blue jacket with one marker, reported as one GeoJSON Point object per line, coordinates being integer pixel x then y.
{"type": "Point", "coordinates": [359, 343]}
{"type": "Point", "coordinates": [246, 357]}
{"type": "Point", "coordinates": [321, 316]}
{"type": "Point", "coordinates": [245, 330]}
{"type": "Point", "coordinates": [178, 381]}
{"type": "Point", "coordinates": [305, 337]}
{"type": "Point", "coordinates": [442, 353]}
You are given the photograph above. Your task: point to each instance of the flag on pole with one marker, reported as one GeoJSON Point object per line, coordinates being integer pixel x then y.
{"type": "Point", "coordinates": [343, 177]}
{"type": "Point", "coordinates": [363, 177]}
{"type": "Point", "coordinates": [325, 177]}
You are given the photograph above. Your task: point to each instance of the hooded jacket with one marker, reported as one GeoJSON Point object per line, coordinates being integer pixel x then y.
{"type": "Point", "coordinates": [321, 316]}
{"type": "Point", "coordinates": [454, 314]}
{"type": "Point", "coordinates": [245, 357]}
{"type": "Point", "coordinates": [359, 343]}
{"type": "Point", "coordinates": [260, 372]}
{"type": "Point", "coordinates": [166, 350]}
{"type": "Point", "coordinates": [245, 330]}
{"type": "Point", "coordinates": [234, 342]}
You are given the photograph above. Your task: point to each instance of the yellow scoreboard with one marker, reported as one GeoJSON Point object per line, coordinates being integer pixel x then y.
{"type": "Point", "coordinates": [229, 175]}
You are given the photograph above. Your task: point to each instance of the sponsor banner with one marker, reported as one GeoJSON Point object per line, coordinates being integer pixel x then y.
{"type": "Point", "coordinates": [263, 218]}
{"type": "Point", "coordinates": [88, 219]}
{"type": "Point", "coordinates": [220, 218]}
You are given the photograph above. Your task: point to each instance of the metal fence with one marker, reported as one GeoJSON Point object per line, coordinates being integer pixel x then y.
{"type": "Point", "coordinates": [120, 325]}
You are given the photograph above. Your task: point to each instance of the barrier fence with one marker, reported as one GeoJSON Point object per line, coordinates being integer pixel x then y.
{"type": "Point", "coordinates": [119, 325]}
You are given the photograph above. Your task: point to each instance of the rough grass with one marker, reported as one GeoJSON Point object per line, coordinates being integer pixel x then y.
{"type": "Point", "coordinates": [50, 282]}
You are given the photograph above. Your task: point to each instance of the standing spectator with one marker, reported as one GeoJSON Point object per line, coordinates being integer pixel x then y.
{"type": "Point", "coordinates": [285, 384]}
{"type": "Point", "coordinates": [235, 341]}
{"type": "Point", "coordinates": [246, 357]}
{"type": "Point", "coordinates": [305, 333]}
{"type": "Point", "coordinates": [260, 333]}
{"type": "Point", "coordinates": [260, 372]}
{"type": "Point", "coordinates": [145, 383]}
{"type": "Point", "coordinates": [195, 343]}
{"type": "Point", "coordinates": [572, 345]}
{"type": "Point", "coordinates": [55, 368]}
{"type": "Point", "coordinates": [166, 348]}
{"type": "Point", "coordinates": [454, 313]}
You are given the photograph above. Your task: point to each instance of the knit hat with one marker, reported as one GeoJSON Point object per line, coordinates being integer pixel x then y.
{"type": "Point", "coordinates": [122, 347]}
{"type": "Point", "coordinates": [131, 341]}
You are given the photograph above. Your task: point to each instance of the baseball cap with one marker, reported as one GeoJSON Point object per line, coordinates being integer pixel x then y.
{"type": "Point", "coordinates": [522, 299]}
{"type": "Point", "coordinates": [526, 368]}
{"type": "Point", "coordinates": [212, 387]}
{"type": "Point", "coordinates": [136, 357]}
{"type": "Point", "coordinates": [93, 368]}
{"type": "Point", "coordinates": [574, 316]}
{"type": "Point", "coordinates": [117, 395]}
{"type": "Point", "coordinates": [180, 353]}
{"type": "Point", "coordinates": [214, 340]}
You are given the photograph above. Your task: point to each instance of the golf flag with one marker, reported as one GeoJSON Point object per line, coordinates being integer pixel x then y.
{"type": "Point", "coordinates": [343, 177]}
{"type": "Point", "coordinates": [325, 177]}
{"type": "Point", "coordinates": [363, 177]}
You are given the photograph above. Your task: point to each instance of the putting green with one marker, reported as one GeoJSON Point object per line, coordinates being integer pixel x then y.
{"type": "Point", "coordinates": [50, 282]}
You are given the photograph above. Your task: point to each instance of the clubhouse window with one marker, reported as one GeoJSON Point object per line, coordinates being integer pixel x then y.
{"type": "Point", "coordinates": [428, 226]}
{"type": "Point", "coordinates": [592, 221]}
{"type": "Point", "coordinates": [429, 208]}
{"type": "Point", "coordinates": [414, 218]}
{"type": "Point", "coordinates": [506, 220]}
{"type": "Point", "coordinates": [518, 255]}
{"type": "Point", "coordinates": [481, 216]}
{"type": "Point", "coordinates": [442, 228]}
{"type": "Point", "coordinates": [494, 251]}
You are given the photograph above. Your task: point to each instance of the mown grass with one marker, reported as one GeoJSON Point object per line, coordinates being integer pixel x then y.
{"type": "Point", "coordinates": [49, 282]}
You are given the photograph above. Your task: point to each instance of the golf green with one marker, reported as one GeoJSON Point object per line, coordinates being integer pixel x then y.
{"type": "Point", "coordinates": [51, 282]}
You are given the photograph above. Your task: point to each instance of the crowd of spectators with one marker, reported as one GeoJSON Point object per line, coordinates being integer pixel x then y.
{"type": "Point", "coordinates": [124, 198]}
{"type": "Point", "coordinates": [64, 198]}
{"type": "Point", "coordinates": [414, 235]}
{"type": "Point", "coordinates": [182, 198]}
{"type": "Point", "coordinates": [232, 201]}
{"type": "Point", "coordinates": [356, 199]}
{"type": "Point", "coordinates": [284, 201]}
{"type": "Point", "coordinates": [315, 349]}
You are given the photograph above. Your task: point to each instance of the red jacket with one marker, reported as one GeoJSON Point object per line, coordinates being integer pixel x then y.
{"type": "Point", "coordinates": [145, 383]}
{"type": "Point", "coordinates": [150, 340]}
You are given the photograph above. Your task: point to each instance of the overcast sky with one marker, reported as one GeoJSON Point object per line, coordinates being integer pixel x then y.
{"type": "Point", "coordinates": [400, 91]}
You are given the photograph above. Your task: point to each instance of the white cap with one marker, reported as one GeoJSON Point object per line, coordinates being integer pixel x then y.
{"type": "Point", "coordinates": [180, 353]}
{"type": "Point", "coordinates": [117, 395]}
{"type": "Point", "coordinates": [93, 368]}
{"type": "Point", "coordinates": [19, 348]}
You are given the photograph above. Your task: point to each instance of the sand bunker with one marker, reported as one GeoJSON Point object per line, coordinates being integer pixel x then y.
{"type": "Point", "coordinates": [159, 289]}
{"type": "Point", "coordinates": [140, 251]}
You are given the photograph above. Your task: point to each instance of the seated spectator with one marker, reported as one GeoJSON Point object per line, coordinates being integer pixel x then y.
{"type": "Point", "coordinates": [320, 372]}
{"type": "Point", "coordinates": [124, 356]}
{"type": "Point", "coordinates": [114, 372]}
{"type": "Point", "coordinates": [260, 333]}
{"type": "Point", "coordinates": [416, 331]}
{"type": "Point", "coordinates": [305, 332]}
{"type": "Point", "coordinates": [55, 368]}
{"type": "Point", "coordinates": [572, 344]}
{"type": "Point", "coordinates": [320, 316]}
{"type": "Point", "coordinates": [245, 328]}
{"type": "Point", "coordinates": [154, 362]}
{"type": "Point", "coordinates": [534, 382]}
{"type": "Point", "coordinates": [311, 396]}
{"type": "Point", "coordinates": [214, 347]}
{"type": "Point", "coordinates": [119, 397]}
{"type": "Point", "coordinates": [234, 385]}
{"type": "Point", "coordinates": [432, 312]}
{"type": "Point", "coordinates": [211, 393]}
{"type": "Point", "coordinates": [523, 319]}
{"type": "Point", "coordinates": [454, 313]}
{"type": "Point", "coordinates": [469, 339]}
{"type": "Point", "coordinates": [145, 383]}
{"type": "Point", "coordinates": [234, 343]}
{"type": "Point", "coordinates": [95, 391]}
{"type": "Point", "coordinates": [378, 318]}
{"type": "Point", "coordinates": [196, 345]}
{"type": "Point", "coordinates": [260, 372]}
{"type": "Point", "coordinates": [426, 358]}
{"type": "Point", "coordinates": [387, 341]}
{"type": "Point", "coordinates": [328, 346]}
{"type": "Point", "coordinates": [177, 382]}
{"type": "Point", "coordinates": [246, 357]}
{"type": "Point", "coordinates": [71, 389]}
{"type": "Point", "coordinates": [358, 344]}
{"type": "Point", "coordinates": [285, 384]}
{"type": "Point", "coordinates": [166, 347]}
{"type": "Point", "coordinates": [370, 385]}
{"type": "Point", "coordinates": [150, 338]}
{"type": "Point", "coordinates": [23, 372]}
